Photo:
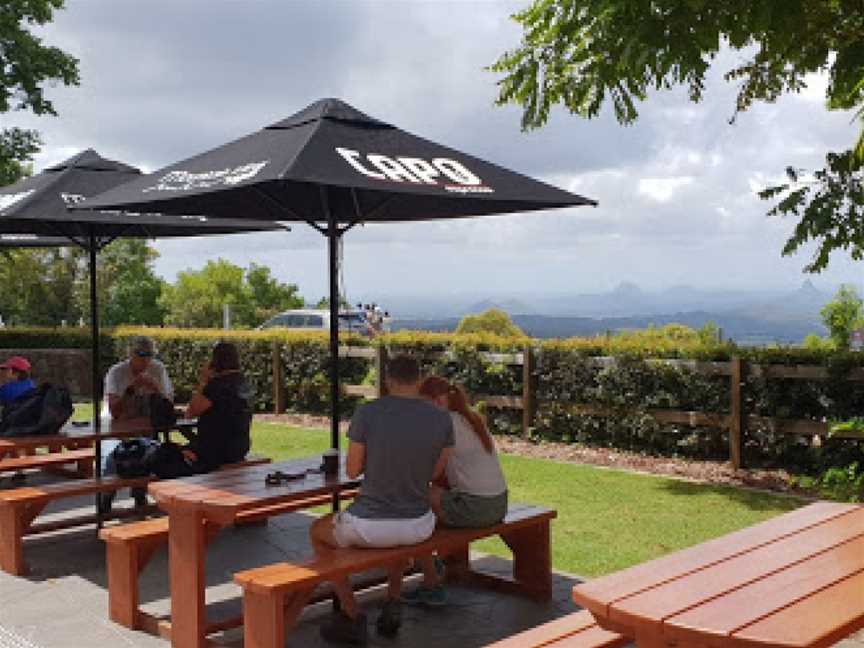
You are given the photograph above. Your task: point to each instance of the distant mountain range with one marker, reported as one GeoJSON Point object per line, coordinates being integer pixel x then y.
{"type": "Point", "coordinates": [748, 317]}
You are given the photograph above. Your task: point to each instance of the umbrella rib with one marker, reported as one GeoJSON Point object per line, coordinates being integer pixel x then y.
{"type": "Point", "coordinates": [314, 225]}
{"type": "Point", "coordinates": [270, 199]}
{"type": "Point", "coordinates": [381, 205]}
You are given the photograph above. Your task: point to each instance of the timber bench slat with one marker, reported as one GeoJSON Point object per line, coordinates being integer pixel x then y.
{"type": "Point", "coordinates": [20, 506]}
{"type": "Point", "coordinates": [45, 460]}
{"type": "Point", "coordinates": [129, 548]}
{"type": "Point", "coordinates": [281, 577]}
{"type": "Point", "coordinates": [577, 630]}
{"type": "Point", "coordinates": [274, 596]}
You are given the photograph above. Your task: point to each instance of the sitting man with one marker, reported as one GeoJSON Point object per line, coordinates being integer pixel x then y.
{"type": "Point", "coordinates": [129, 382]}
{"type": "Point", "coordinates": [128, 386]}
{"type": "Point", "coordinates": [15, 378]}
{"type": "Point", "coordinates": [399, 443]}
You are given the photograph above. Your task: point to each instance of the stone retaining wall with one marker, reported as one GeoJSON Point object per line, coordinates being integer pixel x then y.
{"type": "Point", "coordinates": [67, 367]}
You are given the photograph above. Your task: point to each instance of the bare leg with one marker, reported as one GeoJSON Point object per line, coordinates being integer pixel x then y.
{"type": "Point", "coordinates": [435, 501]}
{"type": "Point", "coordinates": [394, 580]}
{"type": "Point", "coordinates": [430, 576]}
{"type": "Point", "coordinates": [323, 542]}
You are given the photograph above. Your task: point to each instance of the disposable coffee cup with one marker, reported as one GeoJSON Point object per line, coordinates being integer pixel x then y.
{"type": "Point", "coordinates": [330, 462]}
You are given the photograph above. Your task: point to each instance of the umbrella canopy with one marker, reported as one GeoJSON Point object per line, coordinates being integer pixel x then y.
{"type": "Point", "coordinates": [34, 212]}
{"type": "Point", "coordinates": [332, 166]}
{"type": "Point", "coordinates": [40, 204]}
{"type": "Point", "coordinates": [32, 241]}
{"type": "Point", "coordinates": [387, 175]}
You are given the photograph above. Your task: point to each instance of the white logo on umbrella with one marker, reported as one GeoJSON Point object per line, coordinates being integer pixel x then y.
{"type": "Point", "coordinates": [7, 200]}
{"type": "Point", "coordinates": [189, 180]}
{"type": "Point", "coordinates": [435, 172]}
{"type": "Point", "coordinates": [72, 199]}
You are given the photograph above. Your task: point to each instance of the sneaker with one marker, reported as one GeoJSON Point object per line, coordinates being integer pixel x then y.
{"type": "Point", "coordinates": [390, 619]}
{"type": "Point", "coordinates": [139, 494]}
{"type": "Point", "coordinates": [428, 596]}
{"type": "Point", "coordinates": [343, 629]}
{"type": "Point", "coordinates": [104, 501]}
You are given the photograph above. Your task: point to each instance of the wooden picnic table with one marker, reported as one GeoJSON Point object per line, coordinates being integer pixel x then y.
{"type": "Point", "coordinates": [198, 506]}
{"type": "Point", "coordinates": [796, 580]}
{"type": "Point", "coordinates": [73, 435]}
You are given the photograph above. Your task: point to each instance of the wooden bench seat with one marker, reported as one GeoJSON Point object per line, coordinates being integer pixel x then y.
{"type": "Point", "coordinates": [275, 595]}
{"type": "Point", "coordinates": [82, 457]}
{"type": "Point", "coordinates": [19, 507]}
{"type": "Point", "coordinates": [129, 548]}
{"type": "Point", "coordinates": [577, 630]}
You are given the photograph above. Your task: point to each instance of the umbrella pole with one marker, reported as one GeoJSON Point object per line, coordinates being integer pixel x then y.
{"type": "Point", "coordinates": [94, 371]}
{"type": "Point", "coordinates": [333, 235]}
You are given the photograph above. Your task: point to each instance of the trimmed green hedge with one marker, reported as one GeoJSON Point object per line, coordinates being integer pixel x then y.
{"type": "Point", "coordinates": [629, 387]}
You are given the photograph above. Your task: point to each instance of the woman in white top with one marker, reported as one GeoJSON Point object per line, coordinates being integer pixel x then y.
{"type": "Point", "coordinates": [475, 494]}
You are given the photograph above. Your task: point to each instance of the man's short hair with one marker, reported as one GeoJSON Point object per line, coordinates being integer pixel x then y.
{"type": "Point", "coordinates": [142, 346]}
{"type": "Point", "coordinates": [403, 369]}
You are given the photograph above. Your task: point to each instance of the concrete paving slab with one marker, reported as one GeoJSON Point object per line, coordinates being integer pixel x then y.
{"type": "Point", "coordinates": [64, 602]}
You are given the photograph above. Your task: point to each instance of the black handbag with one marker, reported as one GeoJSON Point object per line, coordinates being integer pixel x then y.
{"type": "Point", "coordinates": [168, 462]}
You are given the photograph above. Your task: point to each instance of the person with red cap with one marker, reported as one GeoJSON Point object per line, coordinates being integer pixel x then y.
{"type": "Point", "coordinates": [15, 378]}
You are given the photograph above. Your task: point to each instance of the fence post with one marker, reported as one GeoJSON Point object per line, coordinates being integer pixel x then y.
{"type": "Point", "coordinates": [528, 390]}
{"type": "Point", "coordinates": [737, 418]}
{"type": "Point", "coordinates": [381, 370]}
{"type": "Point", "coordinates": [278, 384]}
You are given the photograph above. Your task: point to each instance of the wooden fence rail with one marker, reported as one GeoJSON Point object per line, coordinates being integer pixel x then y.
{"type": "Point", "coordinates": [736, 421]}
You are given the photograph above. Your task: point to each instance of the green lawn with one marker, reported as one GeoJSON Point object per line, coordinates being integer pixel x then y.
{"type": "Point", "coordinates": [607, 519]}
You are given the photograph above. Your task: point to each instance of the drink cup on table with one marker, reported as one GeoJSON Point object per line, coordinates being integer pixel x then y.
{"type": "Point", "coordinates": [330, 462]}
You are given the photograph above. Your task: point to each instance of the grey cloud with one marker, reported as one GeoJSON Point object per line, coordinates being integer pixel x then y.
{"type": "Point", "coordinates": [164, 80]}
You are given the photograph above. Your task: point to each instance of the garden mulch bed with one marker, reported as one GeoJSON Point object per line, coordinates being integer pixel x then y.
{"type": "Point", "coordinates": [709, 472]}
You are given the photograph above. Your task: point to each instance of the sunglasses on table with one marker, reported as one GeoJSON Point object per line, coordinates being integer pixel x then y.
{"type": "Point", "coordinates": [278, 477]}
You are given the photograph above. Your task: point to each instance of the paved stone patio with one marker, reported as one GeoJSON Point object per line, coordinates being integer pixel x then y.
{"type": "Point", "coordinates": [63, 602]}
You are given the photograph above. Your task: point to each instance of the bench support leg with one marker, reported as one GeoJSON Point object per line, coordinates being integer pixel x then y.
{"type": "Point", "coordinates": [532, 559]}
{"type": "Point", "coordinates": [125, 563]}
{"type": "Point", "coordinates": [268, 616]}
{"type": "Point", "coordinates": [14, 522]}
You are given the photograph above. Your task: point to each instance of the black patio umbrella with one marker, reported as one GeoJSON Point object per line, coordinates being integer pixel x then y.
{"type": "Point", "coordinates": [34, 212]}
{"type": "Point", "coordinates": [333, 167]}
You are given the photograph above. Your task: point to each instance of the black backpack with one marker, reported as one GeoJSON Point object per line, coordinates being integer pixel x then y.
{"type": "Point", "coordinates": [133, 457]}
{"type": "Point", "coordinates": [163, 416]}
{"type": "Point", "coordinates": [40, 411]}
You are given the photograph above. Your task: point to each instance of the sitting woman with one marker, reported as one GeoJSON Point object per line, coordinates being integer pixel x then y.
{"type": "Point", "coordinates": [223, 405]}
{"type": "Point", "coordinates": [476, 493]}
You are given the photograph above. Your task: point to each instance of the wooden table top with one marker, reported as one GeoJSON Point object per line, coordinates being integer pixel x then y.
{"type": "Point", "coordinates": [121, 429]}
{"type": "Point", "coordinates": [795, 580]}
{"type": "Point", "coordinates": [222, 495]}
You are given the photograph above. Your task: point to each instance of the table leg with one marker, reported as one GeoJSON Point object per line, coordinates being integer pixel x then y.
{"type": "Point", "coordinates": [186, 547]}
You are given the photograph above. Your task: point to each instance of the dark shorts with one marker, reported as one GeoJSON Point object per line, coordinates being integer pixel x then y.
{"type": "Point", "coordinates": [469, 511]}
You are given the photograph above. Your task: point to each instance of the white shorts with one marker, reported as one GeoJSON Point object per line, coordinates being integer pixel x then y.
{"type": "Point", "coordinates": [352, 531]}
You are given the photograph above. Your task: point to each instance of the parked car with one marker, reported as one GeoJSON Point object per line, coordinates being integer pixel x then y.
{"type": "Point", "coordinates": [319, 319]}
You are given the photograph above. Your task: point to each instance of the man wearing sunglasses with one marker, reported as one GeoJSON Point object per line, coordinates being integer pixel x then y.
{"type": "Point", "coordinates": [128, 387]}
{"type": "Point", "coordinates": [129, 382]}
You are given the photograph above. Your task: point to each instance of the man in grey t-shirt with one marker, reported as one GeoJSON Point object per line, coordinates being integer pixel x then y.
{"type": "Point", "coordinates": [399, 443]}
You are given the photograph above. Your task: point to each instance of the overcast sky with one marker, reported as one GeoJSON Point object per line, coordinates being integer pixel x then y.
{"type": "Point", "coordinates": [166, 79]}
